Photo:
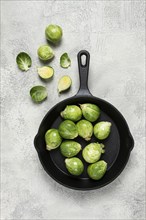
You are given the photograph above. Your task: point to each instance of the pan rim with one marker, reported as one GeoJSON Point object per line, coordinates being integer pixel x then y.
{"type": "Point", "coordinates": [85, 188]}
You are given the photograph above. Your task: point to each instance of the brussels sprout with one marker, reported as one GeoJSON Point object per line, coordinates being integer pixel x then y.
{"type": "Point", "coordinates": [53, 139]}
{"type": "Point", "coordinates": [91, 112]}
{"type": "Point", "coordinates": [102, 130]}
{"type": "Point", "coordinates": [85, 129]}
{"type": "Point", "coordinates": [68, 129]}
{"type": "Point", "coordinates": [72, 112]}
{"type": "Point", "coordinates": [23, 61]}
{"type": "Point", "coordinates": [92, 152]}
{"type": "Point", "coordinates": [45, 72]}
{"type": "Point", "coordinates": [70, 148]}
{"type": "Point", "coordinates": [65, 61]}
{"type": "Point", "coordinates": [45, 52]}
{"type": "Point", "coordinates": [64, 83]}
{"type": "Point", "coordinates": [53, 33]}
{"type": "Point", "coordinates": [38, 93]}
{"type": "Point", "coordinates": [97, 170]}
{"type": "Point", "coordinates": [74, 166]}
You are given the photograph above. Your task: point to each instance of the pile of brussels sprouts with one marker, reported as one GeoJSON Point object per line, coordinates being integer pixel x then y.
{"type": "Point", "coordinates": [53, 34]}
{"type": "Point", "coordinates": [69, 148]}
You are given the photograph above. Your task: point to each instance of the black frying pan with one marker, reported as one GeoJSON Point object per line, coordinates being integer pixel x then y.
{"type": "Point", "coordinates": [118, 145]}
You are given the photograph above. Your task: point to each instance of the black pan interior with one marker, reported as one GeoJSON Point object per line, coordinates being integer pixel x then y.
{"type": "Point", "coordinates": [117, 150]}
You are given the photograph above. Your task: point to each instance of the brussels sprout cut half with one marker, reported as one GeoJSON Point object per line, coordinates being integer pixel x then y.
{"type": "Point", "coordinates": [64, 83]}
{"type": "Point", "coordinates": [45, 72]}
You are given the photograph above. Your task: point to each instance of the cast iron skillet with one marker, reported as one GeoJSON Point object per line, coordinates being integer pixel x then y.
{"type": "Point", "coordinates": [118, 145]}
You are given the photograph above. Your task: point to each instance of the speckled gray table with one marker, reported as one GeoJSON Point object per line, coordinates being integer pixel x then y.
{"type": "Point", "coordinates": [113, 32]}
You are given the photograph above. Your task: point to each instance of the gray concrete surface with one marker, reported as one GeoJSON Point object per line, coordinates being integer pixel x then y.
{"type": "Point", "coordinates": [113, 32]}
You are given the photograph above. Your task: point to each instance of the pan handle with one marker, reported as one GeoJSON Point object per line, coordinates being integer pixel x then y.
{"type": "Point", "coordinates": [83, 72]}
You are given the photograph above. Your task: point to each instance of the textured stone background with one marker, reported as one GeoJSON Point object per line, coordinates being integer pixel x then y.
{"type": "Point", "coordinates": [113, 32]}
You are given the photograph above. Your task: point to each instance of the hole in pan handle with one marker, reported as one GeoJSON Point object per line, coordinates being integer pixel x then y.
{"type": "Point", "coordinates": [83, 72]}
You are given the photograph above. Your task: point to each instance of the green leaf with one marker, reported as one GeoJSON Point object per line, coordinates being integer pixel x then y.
{"type": "Point", "coordinates": [65, 61]}
{"type": "Point", "coordinates": [38, 93]}
{"type": "Point", "coordinates": [23, 61]}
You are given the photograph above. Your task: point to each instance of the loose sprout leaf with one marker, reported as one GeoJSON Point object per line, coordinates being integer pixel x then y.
{"type": "Point", "coordinates": [64, 83]}
{"type": "Point", "coordinates": [23, 61]}
{"type": "Point", "coordinates": [45, 72]}
{"type": "Point", "coordinates": [65, 61]}
{"type": "Point", "coordinates": [38, 93]}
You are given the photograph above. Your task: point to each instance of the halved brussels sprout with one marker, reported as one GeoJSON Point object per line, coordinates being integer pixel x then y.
{"type": "Point", "coordinates": [45, 52]}
{"type": "Point", "coordinates": [70, 148]}
{"type": "Point", "coordinates": [102, 130]}
{"type": "Point", "coordinates": [85, 129]}
{"type": "Point", "coordinates": [72, 112]}
{"type": "Point", "coordinates": [97, 170]}
{"type": "Point", "coordinates": [53, 33]}
{"type": "Point", "coordinates": [68, 129]}
{"type": "Point", "coordinates": [45, 72]}
{"type": "Point", "coordinates": [91, 112]}
{"type": "Point", "coordinates": [92, 152]}
{"type": "Point", "coordinates": [53, 139]}
{"type": "Point", "coordinates": [74, 166]}
{"type": "Point", "coordinates": [64, 83]}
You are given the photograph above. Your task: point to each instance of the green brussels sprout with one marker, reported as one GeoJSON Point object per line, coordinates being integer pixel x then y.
{"type": "Point", "coordinates": [90, 112]}
{"type": "Point", "coordinates": [85, 129]}
{"type": "Point", "coordinates": [64, 83]}
{"type": "Point", "coordinates": [45, 52]}
{"type": "Point", "coordinates": [53, 33]}
{"type": "Point", "coordinates": [97, 170]}
{"type": "Point", "coordinates": [53, 139]}
{"type": "Point", "coordinates": [102, 130]}
{"type": "Point", "coordinates": [45, 72]}
{"type": "Point", "coordinates": [72, 112]}
{"type": "Point", "coordinates": [92, 152]}
{"type": "Point", "coordinates": [68, 129]}
{"type": "Point", "coordinates": [70, 148]}
{"type": "Point", "coordinates": [74, 166]}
